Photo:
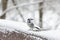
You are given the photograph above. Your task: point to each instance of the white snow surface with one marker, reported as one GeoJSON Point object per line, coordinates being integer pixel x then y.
{"type": "Point", "coordinates": [51, 34]}
{"type": "Point", "coordinates": [13, 24]}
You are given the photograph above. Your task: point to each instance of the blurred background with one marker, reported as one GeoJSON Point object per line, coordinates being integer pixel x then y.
{"type": "Point", "coordinates": [45, 13]}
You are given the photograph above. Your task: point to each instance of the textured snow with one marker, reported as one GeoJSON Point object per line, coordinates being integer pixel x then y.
{"type": "Point", "coordinates": [13, 24]}
{"type": "Point", "coordinates": [51, 35]}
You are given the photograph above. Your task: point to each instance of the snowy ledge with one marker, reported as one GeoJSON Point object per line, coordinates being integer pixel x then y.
{"type": "Point", "coordinates": [23, 27]}
{"type": "Point", "coordinates": [17, 27]}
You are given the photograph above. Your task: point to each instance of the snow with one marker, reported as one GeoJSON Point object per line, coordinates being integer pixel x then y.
{"type": "Point", "coordinates": [51, 34]}
{"type": "Point", "coordinates": [13, 24]}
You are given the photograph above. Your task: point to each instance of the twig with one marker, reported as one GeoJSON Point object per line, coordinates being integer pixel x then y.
{"type": "Point", "coordinates": [18, 10]}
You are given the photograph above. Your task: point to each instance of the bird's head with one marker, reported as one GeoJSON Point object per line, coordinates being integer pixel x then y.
{"type": "Point", "coordinates": [29, 20]}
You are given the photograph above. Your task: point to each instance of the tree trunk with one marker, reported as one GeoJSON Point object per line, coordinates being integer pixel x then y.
{"type": "Point", "coordinates": [40, 13]}
{"type": "Point", "coordinates": [4, 6]}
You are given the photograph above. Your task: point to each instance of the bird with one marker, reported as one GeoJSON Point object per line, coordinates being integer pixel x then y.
{"type": "Point", "coordinates": [32, 25]}
{"type": "Point", "coordinates": [29, 22]}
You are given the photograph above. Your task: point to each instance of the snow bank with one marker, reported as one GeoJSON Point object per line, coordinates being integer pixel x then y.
{"type": "Point", "coordinates": [21, 26]}
{"type": "Point", "coordinates": [50, 35]}
{"type": "Point", "coordinates": [13, 24]}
